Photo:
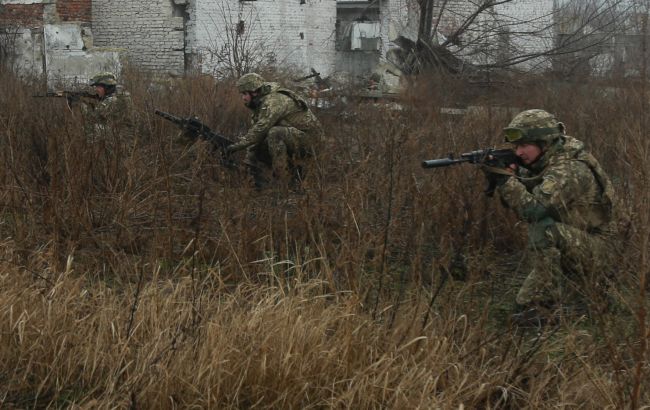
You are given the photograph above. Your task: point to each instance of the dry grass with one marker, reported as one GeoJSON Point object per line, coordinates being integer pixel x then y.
{"type": "Point", "coordinates": [140, 273]}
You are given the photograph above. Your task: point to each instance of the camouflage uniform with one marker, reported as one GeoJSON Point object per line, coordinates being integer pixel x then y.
{"type": "Point", "coordinates": [111, 114]}
{"type": "Point", "coordinates": [283, 126]}
{"type": "Point", "coordinates": [567, 200]}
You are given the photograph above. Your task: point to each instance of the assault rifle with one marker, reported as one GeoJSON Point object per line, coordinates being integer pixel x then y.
{"type": "Point", "coordinates": [197, 129]}
{"type": "Point", "coordinates": [70, 96]}
{"type": "Point", "coordinates": [492, 158]}
{"type": "Point", "coordinates": [313, 74]}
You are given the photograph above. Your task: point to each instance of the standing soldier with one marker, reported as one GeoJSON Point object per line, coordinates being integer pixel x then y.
{"type": "Point", "coordinates": [567, 199]}
{"type": "Point", "coordinates": [283, 129]}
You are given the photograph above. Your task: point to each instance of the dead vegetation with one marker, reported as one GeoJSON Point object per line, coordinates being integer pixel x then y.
{"type": "Point", "coordinates": [140, 273]}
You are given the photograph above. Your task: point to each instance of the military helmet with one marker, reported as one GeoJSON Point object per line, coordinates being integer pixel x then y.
{"type": "Point", "coordinates": [532, 126]}
{"type": "Point", "coordinates": [375, 77]}
{"type": "Point", "coordinates": [250, 82]}
{"type": "Point", "coordinates": [103, 78]}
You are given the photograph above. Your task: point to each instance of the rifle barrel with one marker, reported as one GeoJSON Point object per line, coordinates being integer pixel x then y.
{"type": "Point", "coordinates": [170, 117]}
{"type": "Point", "coordinates": [442, 162]}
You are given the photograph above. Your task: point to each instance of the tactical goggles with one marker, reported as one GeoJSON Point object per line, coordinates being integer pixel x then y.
{"type": "Point", "coordinates": [513, 135]}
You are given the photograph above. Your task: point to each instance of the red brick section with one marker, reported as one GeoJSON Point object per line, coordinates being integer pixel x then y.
{"type": "Point", "coordinates": [74, 10]}
{"type": "Point", "coordinates": [24, 15]}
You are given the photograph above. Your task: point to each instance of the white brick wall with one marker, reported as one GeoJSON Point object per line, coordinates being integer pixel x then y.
{"type": "Point", "coordinates": [155, 36]}
{"type": "Point", "coordinates": [152, 37]}
{"type": "Point", "coordinates": [69, 64]}
{"type": "Point", "coordinates": [275, 25]}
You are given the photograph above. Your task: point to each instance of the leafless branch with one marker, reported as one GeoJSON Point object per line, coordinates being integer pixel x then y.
{"type": "Point", "coordinates": [237, 48]}
{"type": "Point", "coordinates": [577, 27]}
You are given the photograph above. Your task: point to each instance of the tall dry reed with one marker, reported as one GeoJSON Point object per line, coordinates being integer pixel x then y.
{"type": "Point", "coordinates": [140, 272]}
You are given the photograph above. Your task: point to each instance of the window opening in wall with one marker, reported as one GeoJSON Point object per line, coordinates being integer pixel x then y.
{"type": "Point", "coordinates": [180, 11]}
{"type": "Point", "coordinates": [241, 28]}
{"type": "Point", "coordinates": [358, 26]}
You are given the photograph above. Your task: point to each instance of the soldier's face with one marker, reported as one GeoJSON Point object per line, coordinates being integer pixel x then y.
{"type": "Point", "coordinates": [246, 97]}
{"type": "Point", "coordinates": [529, 153]}
{"type": "Point", "coordinates": [100, 90]}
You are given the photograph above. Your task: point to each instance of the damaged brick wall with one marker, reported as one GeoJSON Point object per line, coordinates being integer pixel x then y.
{"type": "Point", "coordinates": [52, 39]}
{"type": "Point", "coordinates": [151, 32]}
{"type": "Point", "coordinates": [19, 44]}
{"type": "Point", "coordinates": [17, 13]}
{"type": "Point", "coordinates": [292, 33]}
{"type": "Point", "coordinates": [21, 15]}
{"type": "Point", "coordinates": [74, 10]}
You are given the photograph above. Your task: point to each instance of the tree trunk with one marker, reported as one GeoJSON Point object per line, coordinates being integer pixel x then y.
{"type": "Point", "coordinates": [426, 20]}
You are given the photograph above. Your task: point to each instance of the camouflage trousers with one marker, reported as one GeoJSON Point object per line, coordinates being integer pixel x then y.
{"type": "Point", "coordinates": [282, 151]}
{"type": "Point", "coordinates": [564, 264]}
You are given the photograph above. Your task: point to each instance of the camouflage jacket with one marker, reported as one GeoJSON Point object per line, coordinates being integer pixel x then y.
{"type": "Point", "coordinates": [112, 113]}
{"type": "Point", "coordinates": [567, 184]}
{"type": "Point", "coordinates": [278, 107]}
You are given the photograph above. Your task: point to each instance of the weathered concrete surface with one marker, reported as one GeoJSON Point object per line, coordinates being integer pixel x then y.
{"type": "Point", "coordinates": [69, 63]}
{"type": "Point", "coordinates": [26, 51]}
{"type": "Point", "coordinates": [52, 39]}
{"type": "Point", "coordinates": [288, 33]}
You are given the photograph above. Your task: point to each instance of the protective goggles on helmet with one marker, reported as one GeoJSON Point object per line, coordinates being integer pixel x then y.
{"type": "Point", "coordinates": [514, 135]}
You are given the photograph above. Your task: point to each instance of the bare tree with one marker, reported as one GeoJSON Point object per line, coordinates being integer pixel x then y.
{"type": "Point", "coordinates": [236, 47]}
{"type": "Point", "coordinates": [494, 34]}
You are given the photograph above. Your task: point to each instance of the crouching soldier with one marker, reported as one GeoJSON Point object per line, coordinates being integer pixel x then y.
{"type": "Point", "coordinates": [283, 132]}
{"type": "Point", "coordinates": [567, 199]}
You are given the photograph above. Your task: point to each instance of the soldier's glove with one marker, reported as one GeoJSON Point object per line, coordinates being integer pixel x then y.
{"type": "Point", "coordinates": [227, 153]}
{"type": "Point", "coordinates": [229, 150]}
{"type": "Point", "coordinates": [495, 177]}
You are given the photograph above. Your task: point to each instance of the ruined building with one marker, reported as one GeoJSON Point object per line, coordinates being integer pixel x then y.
{"type": "Point", "coordinates": [67, 40]}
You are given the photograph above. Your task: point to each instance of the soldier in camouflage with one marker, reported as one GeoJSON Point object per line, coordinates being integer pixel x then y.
{"type": "Point", "coordinates": [567, 199]}
{"type": "Point", "coordinates": [113, 107]}
{"type": "Point", "coordinates": [283, 131]}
